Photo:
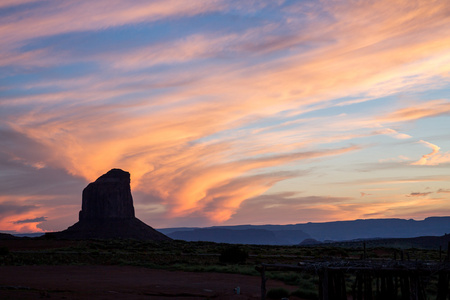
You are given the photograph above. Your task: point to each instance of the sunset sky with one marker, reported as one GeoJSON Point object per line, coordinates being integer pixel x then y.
{"type": "Point", "coordinates": [225, 112]}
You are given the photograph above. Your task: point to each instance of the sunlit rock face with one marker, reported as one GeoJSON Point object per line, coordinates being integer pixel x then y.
{"type": "Point", "coordinates": [107, 212]}
{"type": "Point", "coordinates": [109, 197]}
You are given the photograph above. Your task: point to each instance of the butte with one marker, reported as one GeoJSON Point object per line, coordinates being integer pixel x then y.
{"type": "Point", "coordinates": [107, 212]}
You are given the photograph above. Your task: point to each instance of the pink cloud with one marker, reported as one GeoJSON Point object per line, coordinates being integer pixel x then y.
{"type": "Point", "coordinates": [72, 16]}
{"type": "Point", "coordinates": [8, 3]}
{"type": "Point", "coordinates": [365, 194]}
{"type": "Point", "coordinates": [418, 111]}
{"type": "Point", "coordinates": [394, 133]}
{"type": "Point", "coordinates": [220, 189]}
{"type": "Point", "coordinates": [434, 158]}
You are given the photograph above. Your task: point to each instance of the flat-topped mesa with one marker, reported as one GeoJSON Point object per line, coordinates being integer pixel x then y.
{"type": "Point", "coordinates": [107, 212]}
{"type": "Point", "coordinates": [109, 197]}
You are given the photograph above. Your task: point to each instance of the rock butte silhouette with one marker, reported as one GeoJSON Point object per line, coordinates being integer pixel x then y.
{"type": "Point", "coordinates": [107, 212]}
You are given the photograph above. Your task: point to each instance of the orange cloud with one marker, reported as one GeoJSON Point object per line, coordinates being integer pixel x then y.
{"type": "Point", "coordinates": [189, 177]}
{"type": "Point", "coordinates": [419, 194]}
{"type": "Point", "coordinates": [12, 212]}
{"type": "Point", "coordinates": [365, 194]}
{"type": "Point", "coordinates": [434, 158]}
{"type": "Point", "coordinates": [219, 189]}
{"type": "Point", "coordinates": [418, 111]}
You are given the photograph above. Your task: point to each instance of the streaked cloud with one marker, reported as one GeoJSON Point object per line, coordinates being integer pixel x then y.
{"type": "Point", "coordinates": [8, 207]}
{"type": "Point", "coordinates": [419, 194]}
{"type": "Point", "coordinates": [363, 194]}
{"type": "Point", "coordinates": [288, 204]}
{"type": "Point", "coordinates": [72, 16]}
{"type": "Point", "coordinates": [434, 158]}
{"type": "Point", "coordinates": [400, 180]}
{"type": "Point", "coordinates": [34, 220]}
{"type": "Point", "coordinates": [394, 133]}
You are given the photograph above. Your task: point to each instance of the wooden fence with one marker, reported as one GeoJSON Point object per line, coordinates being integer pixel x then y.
{"type": "Point", "coordinates": [371, 280]}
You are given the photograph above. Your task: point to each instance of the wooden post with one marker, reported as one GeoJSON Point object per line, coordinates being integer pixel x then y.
{"type": "Point", "coordinates": [262, 271]}
{"type": "Point", "coordinates": [342, 288]}
{"type": "Point", "coordinates": [448, 251]}
{"type": "Point", "coordinates": [391, 286]}
{"type": "Point", "coordinates": [405, 286]}
{"type": "Point", "coordinates": [354, 295]}
{"type": "Point", "coordinates": [396, 284]}
{"type": "Point", "coordinates": [414, 287]}
{"type": "Point", "coordinates": [367, 286]}
{"type": "Point", "coordinates": [324, 284]}
{"type": "Point", "coordinates": [442, 286]}
{"type": "Point", "coordinates": [360, 288]}
{"type": "Point", "coordinates": [364, 246]}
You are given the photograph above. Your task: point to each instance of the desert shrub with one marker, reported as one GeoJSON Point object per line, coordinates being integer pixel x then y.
{"type": "Point", "coordinates": [233, 255]}
{"type": "Point", "coordinates": [4, 251]}
{"type": "Point", "coordinates": [334, 252]}
{"type": "Point", "coordinates": [277, 293]}
{"type": "Point", "coordinates": [310, 294]}
{"type": "Point", "coordinates": [289, 278]}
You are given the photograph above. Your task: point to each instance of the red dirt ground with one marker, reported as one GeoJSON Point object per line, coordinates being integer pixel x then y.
{"type": "Point", "coordinates": [124, 282]}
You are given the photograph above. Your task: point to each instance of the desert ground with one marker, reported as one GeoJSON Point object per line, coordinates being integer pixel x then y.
{"type": "Point", "coordinates": [124, 282]}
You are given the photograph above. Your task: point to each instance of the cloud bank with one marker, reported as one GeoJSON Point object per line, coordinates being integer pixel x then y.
{"type": "Point", "coordinates": [212, 104]}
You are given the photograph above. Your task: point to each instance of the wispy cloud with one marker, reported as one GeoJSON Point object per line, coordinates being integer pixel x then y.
{"type": "Point", "coordinates": [8, 207]}
{"type": "Point", "coordinates": [293, 208]}
{"type": "Point", "coordinates": [394, 133]}
{"type": "Point", "coordinates": [434, 158]}
{"type": "Point", "coordinates": [34, 220]}
{"type": "Point", "coordinates": [221, 188]}
{"type": "Point", "coordinates": [419, 194]}
{"type": "Point", "coordinates": [402, 180]}
{"type": "Point", "coordinates": [419, 111]}
{"type": "Point", "coordinates": [71, 16]}
{"type": "Point", "coordinates": [11, 3]}
{"type": "Point", "coordinates": [363, 194]}
{"type": "Point", "coordinates": [13, 207]}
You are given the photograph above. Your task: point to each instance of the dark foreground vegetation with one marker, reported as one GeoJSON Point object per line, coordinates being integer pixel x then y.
{"type": "Point", "coordinates": [207, 257]}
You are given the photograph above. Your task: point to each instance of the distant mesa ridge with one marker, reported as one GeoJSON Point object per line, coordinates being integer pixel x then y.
{"type": "Point", "coordinates": [312, 233]}
{"type": "Point", "coordinates": [107, 212]}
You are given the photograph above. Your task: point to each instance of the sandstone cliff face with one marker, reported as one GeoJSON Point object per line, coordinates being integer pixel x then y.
{"type": "Point", "coordinates": [107, 212]}
{"type": "Point", "coordinates": [109, 197]}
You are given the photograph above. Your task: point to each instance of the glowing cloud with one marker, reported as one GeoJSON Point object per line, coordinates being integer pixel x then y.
{"type": "Point", "coordinates": [395, 133]}
{"type": "Point", "coordinates": [434, 158]}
